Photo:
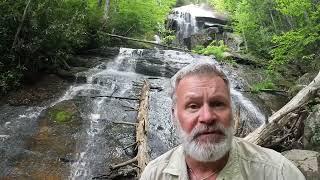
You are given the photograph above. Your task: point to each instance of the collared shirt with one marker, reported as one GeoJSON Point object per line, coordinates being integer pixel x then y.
{"type": "Point", "coordinates": [246, 161]}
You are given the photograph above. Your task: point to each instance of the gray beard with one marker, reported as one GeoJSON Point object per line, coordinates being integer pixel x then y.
{"type": "Point", "coordinates": [206, 151]}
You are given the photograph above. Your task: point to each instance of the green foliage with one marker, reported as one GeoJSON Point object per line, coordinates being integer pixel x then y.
{"type": "Point", "coordinates": [214, 48]}
{"type": "Point", "coordinates": [267, 84]}
{"type": "Point", "coordinates": [51, 31]}
{"type": "Point", "coordinates": [293, 7]}
{"type": "Point", "coordinates": [283, 32]}
{"type": "Point", "coordinates": [168, 39]}
{"type": "Point", "coordinates": [137, 17]}
{"type": "Point", "coordinates": [167, 36]}
{"type": "Point", "coordinates": [298, 46]}
{"type": "Point", "coordinates": [9, 79]}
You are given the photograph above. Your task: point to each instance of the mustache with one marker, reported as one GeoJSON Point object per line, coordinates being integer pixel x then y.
{"type": "Point", "coordinates": [205, 129]}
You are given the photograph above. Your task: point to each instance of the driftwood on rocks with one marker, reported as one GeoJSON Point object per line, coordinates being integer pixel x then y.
{"type": "Point", "coordinates": [285, 115]}
{"type": "Point", "coordinates": [148, 42]}
{"type": "Point", "coordinates": [115, 97]}
{"type": "Point", "coordinates": [142, 157]}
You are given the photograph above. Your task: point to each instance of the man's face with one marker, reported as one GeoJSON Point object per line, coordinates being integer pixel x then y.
{"type": "Point", "coordinates": [204, 115]}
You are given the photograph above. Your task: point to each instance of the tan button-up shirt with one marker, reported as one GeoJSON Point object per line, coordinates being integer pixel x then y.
{"type": "Point", "coordinates": [246, 162]}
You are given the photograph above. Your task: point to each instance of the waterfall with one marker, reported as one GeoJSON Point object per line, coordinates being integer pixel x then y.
{"type": "Point", "coordinates": [191, 19]}
{"type": "Point", "coordinates": [100, 141]}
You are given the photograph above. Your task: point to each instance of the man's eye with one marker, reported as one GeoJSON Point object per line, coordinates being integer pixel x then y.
{"type": "Point", "coordinates": [193, 106]}
{"type": "Point", "coordinates": [217, 104]}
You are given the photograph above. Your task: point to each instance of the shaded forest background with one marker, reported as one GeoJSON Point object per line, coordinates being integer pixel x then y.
{"type": "Point", "coordinates": [282, 36]}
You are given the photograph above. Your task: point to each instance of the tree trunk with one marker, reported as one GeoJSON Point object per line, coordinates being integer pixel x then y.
{"type": "Point", "coordinates": [245, 41]}
{"type": "Point", "coordinates": [106, 9]}
{"type": "Point", "coordinates": [99, 3]}
{"type": "Point", "coordinates": [274, 25]}
{"type": "Point", "coordinates": [20, 25]}
{"type": "Point", "coordinates": [284, 115]}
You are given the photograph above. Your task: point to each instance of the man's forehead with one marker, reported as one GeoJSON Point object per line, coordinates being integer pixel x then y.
{"type": "Point", "coordinates": [211, 80]}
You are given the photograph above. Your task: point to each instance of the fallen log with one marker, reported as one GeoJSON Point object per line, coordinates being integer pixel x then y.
{"type": "Point", "coordinates": [277, 91]}
{"type": "Point", "coordinates": [141, 136]}
{"type": "Point", "coordinates": [115, 97]}
{"type": "Point", "coordinates": [284, 115]}
{"type": "Point", "coordinates": [123, 122]}
{"type": "Point", "coordinates": [142, 157]}
{"type": "Point", "coordinates": [148, 42]}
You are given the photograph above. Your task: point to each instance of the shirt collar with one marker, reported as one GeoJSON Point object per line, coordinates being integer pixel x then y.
{"type": "Point", "coordinates": [177, 164]}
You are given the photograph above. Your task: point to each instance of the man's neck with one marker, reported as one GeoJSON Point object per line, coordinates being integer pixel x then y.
{"type": "Point", "coordinates": [201, 169]}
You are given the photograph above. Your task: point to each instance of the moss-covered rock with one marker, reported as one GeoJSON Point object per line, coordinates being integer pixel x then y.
{"type": "Point", "coordinates": [54, 141]}
{"type": "Point", "coordinates": [63, 114]}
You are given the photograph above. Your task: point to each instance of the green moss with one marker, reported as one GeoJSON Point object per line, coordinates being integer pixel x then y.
{"type": "Point", "coordinates": [61, 116]}
{"type": "Point", "coordinates": [262, 85]}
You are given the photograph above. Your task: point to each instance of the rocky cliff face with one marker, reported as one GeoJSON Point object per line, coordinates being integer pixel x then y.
{"type": "Point", "coordinates": [199, 25]}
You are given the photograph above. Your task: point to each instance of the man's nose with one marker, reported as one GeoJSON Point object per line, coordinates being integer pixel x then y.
{"type": "Point", "coordinates": [206, 115]}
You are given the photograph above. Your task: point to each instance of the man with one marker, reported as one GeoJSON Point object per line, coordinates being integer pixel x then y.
{"type": "Point", "coordinates": [202, 112]}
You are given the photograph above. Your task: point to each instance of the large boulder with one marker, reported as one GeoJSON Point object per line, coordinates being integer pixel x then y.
{"type": "Point", "coordinates": [302, 82]}
{"type": "Point", "coordinates": [311, 138]}
{"type": "Point", "coordinates": [53, 147]}
{"type": "Point", "coordinates": [307, 161]}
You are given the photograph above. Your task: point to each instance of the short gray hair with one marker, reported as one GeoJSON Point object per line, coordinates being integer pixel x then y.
{"type": "Point", "coordinates": [198, 68]}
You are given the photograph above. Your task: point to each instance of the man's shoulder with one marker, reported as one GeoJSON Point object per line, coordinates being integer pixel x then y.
{"type": "Point", "coordinates": [252, 152]}
{"type": "Point", "coordinates": [156, 168]}
{"type": "Point", "coordinates": [164, 158]}
{"type": "Point", "coordinates": [257, 158]}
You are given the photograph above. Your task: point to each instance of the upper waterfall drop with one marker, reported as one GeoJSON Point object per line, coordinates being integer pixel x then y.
{"type": "Point", "coordinates": [193, 19]}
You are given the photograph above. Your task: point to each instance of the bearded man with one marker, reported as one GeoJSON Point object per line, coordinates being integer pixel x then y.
{"type": "Point", "coordinates": [202, 112]}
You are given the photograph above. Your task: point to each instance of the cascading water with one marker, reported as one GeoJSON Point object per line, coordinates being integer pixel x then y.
{"type": "Point", "coordinates": [184, 20]}
{"type": "Point", "coordinates": [100, 141]}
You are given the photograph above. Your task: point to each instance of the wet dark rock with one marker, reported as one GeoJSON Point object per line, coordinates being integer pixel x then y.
{"type": "Point", "coordinates": [103, 52]}
{"type": "Point", "coordinates": [239, 59]}
{"type": "Point", "coordinates": [55, 137]}
{"type": "Point", "coordinates": [65, 160]}
{"type": "Point", "coordinates": [81, 78]}
{"type": "Point", "coordinates": [48, 88]}
{"type": "Point", "coordinates": [197, 39]}
{"type": "Point", "coordinates": [311, 138]}
{"type": "Point", "coordinates": [71, 74]}
{"type": "Point", "coordinates": [102, 66]}
{"type": "Point", "coordinates": [219, 20]}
